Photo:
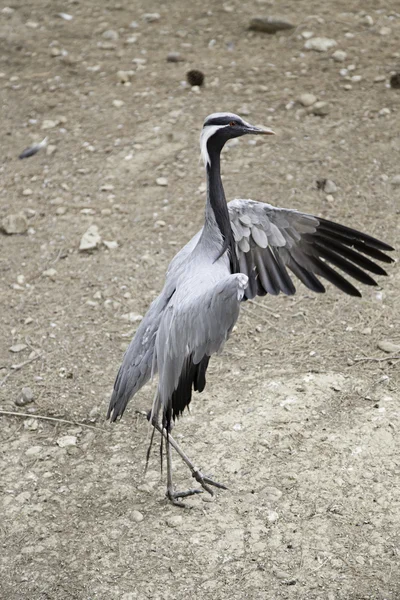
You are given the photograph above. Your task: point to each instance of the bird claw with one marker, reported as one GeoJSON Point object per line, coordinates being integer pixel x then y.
{"type": "Point", "coordinates": [173, 496]}
{"type": "Point", "coordinates": [205, 482]}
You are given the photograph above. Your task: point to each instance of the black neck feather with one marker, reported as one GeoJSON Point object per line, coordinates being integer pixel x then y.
{"type": "Point", "coordinates": [218, 204]}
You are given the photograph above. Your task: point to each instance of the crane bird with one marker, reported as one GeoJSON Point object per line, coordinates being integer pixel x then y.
{"type": "Point", "coordinates": [244, 249]}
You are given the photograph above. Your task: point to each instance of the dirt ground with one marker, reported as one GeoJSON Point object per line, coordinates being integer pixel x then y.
{"type": "Point", "coordinates": [300, 417]}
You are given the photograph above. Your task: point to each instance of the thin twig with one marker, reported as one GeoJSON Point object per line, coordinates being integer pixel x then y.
{"type": "Point", "coordinates": [269, 310]}
{"type": "Point", "coordinates": [375, 359]}
{"type": "Point", "coordinates": [44, 418]}
{"type": "Point", "coordinates": [18, 367]}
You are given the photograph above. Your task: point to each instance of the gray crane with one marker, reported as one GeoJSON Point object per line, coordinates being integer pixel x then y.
{"type": "Point", "coordinates": [244, 249]}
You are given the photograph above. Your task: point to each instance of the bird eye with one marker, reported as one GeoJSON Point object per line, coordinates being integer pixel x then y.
{"type": "Point", "coordinates": [232, 123]}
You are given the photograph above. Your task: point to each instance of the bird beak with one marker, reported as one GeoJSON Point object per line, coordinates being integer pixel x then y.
{"type": "Point", "coordinates": [260, 130]}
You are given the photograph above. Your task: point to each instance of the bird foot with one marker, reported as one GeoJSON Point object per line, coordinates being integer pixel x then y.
{"type": "Point", "coordinates": [173, 496]}
{"type": "Point", "coordinates": [205, 482]}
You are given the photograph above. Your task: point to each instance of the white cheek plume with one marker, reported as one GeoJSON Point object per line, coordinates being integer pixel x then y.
{"type": "Point", "coordinates": [205, 135]}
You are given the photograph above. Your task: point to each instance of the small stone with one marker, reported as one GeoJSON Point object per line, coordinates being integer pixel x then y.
{"type": "Point", "coordinates": [307, 99]}
{"type": "Point", "coordinates": [327, 185]}
{"type": "Point", "coordinates": [388, 346]}
{"type": "Point", "coordinates": [384, 112]}
{"type": "Point", "coordinates": [118, 103]}
{"type": "Point", "coordinates": [18, 348]}
{"type": "Point", "coordinates": [174, 521]}
{"type": "Point", "coordinates": [67, 440]}
{"type": "Point", "coordinates": [49, 124]}
{"type": "Point", "coordinates": [132, 317]}
{"type": "Point", "coordinates": [282, 574]}
{"type": "Point", "coordinates": [320, 44]}
{"type": "Point", "coordinates": [385, 31]}
{"type": "Point", "coordinates": [366, 331]}
{"type": "Point", "coordinates": [174, 57]}
{"type": "Point", "coordinates": [61, 210]}
{"type": "Point", "coordinates": [163, 181]}
{"type": "Point", "coordinates": [367, 20]}
{"type": "Point", "coordinates": [14, 224]}
{"type": "Point", "coordinates": [90, 240]}
{"type": "Point", "coordinates": [339, 56]}
{"type": "Point", "coordinates": [125, 76]}
{"type": "Point", "coordinates": [395, 81]}
{"type": "Point", "coordinates": [31, 424]}
{"type": "Point", "coordinates": [111, 245]}
{"type": "Point", "coordinates": [110, 34]}
{"type": "Point", "coordinates": [395, 181]}
{"type": "Point", "coordinates": [27, 192]}
{"type": "Point", "coordinates": [159, 223]}
{"type": "Point", "coordinates": [269, 25]}
{"type": "Point", "coordinates": [55, 52]}
{"type": "Point", "coordinates": [137, 516]}
{"type": "Point", "coordinates": [33, 451]}
{"type": "Point", "coordinates": [272, 516]}
{"type": "Point", "coordinates": [151, 17]}
{"type": "Point", "coordinates": [320, 109]}
{"type": "Point", "coordinates": [51, 273]}
{"type": "Point", "coordinates": [26, 397]}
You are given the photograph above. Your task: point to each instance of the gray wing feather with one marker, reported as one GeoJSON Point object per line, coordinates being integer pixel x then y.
{"type": "Point", "coordinates": [270, 240]}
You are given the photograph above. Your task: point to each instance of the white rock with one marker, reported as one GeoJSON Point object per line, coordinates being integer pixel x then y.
{"type": "Point", "coordinates": [307, 99]}
{"type": "Point", "coordinates": [132, 317]}
{"type": "Point", "coordinates": [339, 56]}
{"type": "Point", "coordinates": [111, 245]}
{"type": "Point", "coordinates": [27, 192]}
{"type": "Point", "coordinates": [367, 20]}
{"type": "Point", "coordinates": [174, 521]}
{"type": "Point", "coordinates": [137, 516]}
{"type": "Point", "coordinates": [110, 34]}
{"type": "Point", "coordinates": [320, 44]}
{"type": "Point", "coordinates": [385, 31]}
{"type": "Point", "coordinates": [330, 186]}
{"type": "Point", "coordinates": [66, 440]}
{"type": "Point", "coordinates": [14, 224]}
{"type": "Point", "coordinates": [118, 103]}
{"type": "Point", "coordinates": [321, 109]}
{"type": "Point", "coordinates": [49, 124]}
{"type": "Point", "coordinates": [272, 516]}
{"type": "Point", "coordinates": [163, 181]}
{"type": "Point", "coordinates": [33, 450]}
{"type": "Point", "coordinates": [151, 17]}
{"type": "Point", "coordinates": [90, 239]}
{"type": "Point", "coordinates": [388, 346]}
{"type": "Point", "coordinates": [50, 273]}
{"type": "Point", "coordinates": [26, 397]}
{"type": "Point", "coordinates": [18, 348]}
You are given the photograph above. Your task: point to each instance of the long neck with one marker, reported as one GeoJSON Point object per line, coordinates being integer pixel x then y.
{"type": "Point", "coordinates": [217, 221]}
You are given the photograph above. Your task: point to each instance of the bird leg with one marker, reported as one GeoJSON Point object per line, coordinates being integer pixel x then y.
{"type": "Point", "coordinates": [171, 494]}
{"type": "Point", "coordinates": [203, 480]}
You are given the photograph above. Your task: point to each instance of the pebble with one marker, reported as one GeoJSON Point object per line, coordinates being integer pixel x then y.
{"type": "Point", "coordinates": [269, 25]}
{"type": "Point", "coordinates": [307, 99]}
{"type": "Point", "coordinates": [137, 516]}
{"type": "Point", "coordinates": [27, 192]}
{"type": "Point", "coordinates": [50, 273]}
{"type": "Point", "coordinates": [327, 185]}
{"type": "Point", "coordinates": [174, 521]}
{"type": "Point", "coordinates": [388, 346]}
{"type": "Point", "coordinates": [395, 181]}
{"type": "Point", "coordinates": [320, 44]}
{"type": "Point", "coordinates": [385, 31]}
{"type": "Point", "coordinates": [33, 450]}
{"type": "Point", "coordinates": [66, 440]}
{"type": "Point", "coordinates": [49, 124]}
{"type": "Point", "coordinates": [174, 57]}
{"type": "Point", "coordinates": [366, 331]}
{"type": "Point", "coordinates": [163, 181]}
{"type": "Point", "coordinates": [272, 516]}
{"type": "Point", "coordinates": [90, 240]}
{"type": "Point", "coordinates": [111, 34]}
{"type": "Point", "coordinates": [132, 317]}
{"type": "Point", "coordinates": [151, 17]}
{"type": "Point", "coordinates": [125, 76]}
{"type": "Point", "coordinates": [111, 245]}
{"type": "Point", "coordinates": [320, 109]}
{"type": "Point", "coordinates": [14, 224]}
{"type": "Point", "coordinates": [339, 56]}
{"type": "Point", "coordinates": [26, 397]}
{"type": "Point", "coordinates": [367, 20]}
{"type": "Point", "coordinates": [384, 112]}
{"type": "Point", "coordinates": [118, 103]}
{"type": "Point", "coordinates": [18, 348]}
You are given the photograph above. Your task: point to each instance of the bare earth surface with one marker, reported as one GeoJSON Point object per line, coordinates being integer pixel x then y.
{"type": "Point", "coordinates": [300, 417]}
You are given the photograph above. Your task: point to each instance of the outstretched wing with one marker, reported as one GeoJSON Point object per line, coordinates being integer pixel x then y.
{"type": "Point", "coordinates": [193, 327]}
{"type": "Point", "coordinates": [270, 240]}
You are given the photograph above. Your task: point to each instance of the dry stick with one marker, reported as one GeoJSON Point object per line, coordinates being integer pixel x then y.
{"type": "Point", "coordinates": [376, 359]}
{"type": "Point", "coordinates": [269, 310]}
{"type": "Point", "coordinates": [18, 367]}
{"type": "Point", "coordinates": [44, 418]}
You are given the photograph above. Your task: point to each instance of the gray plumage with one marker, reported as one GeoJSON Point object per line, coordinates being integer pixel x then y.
{"type": "Point", "coordinates": [245, 248]}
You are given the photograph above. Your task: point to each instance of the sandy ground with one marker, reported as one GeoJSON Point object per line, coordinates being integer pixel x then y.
{"type": "Point", "coordinates": [300, 417]}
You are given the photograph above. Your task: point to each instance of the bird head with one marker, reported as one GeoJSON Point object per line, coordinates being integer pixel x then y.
{"type": "Point", "coordinates": [218, 128]}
